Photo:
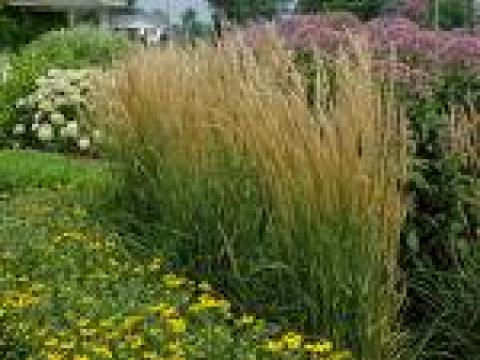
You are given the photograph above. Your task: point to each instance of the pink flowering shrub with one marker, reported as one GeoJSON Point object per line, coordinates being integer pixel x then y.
{"type": "Point", "coordinates": [417, 49]}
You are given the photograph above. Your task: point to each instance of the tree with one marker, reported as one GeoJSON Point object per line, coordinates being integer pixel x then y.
{"type": "Point", "coordinates": [365, 9]}
{"type": "Point", "coordinates": [191, 26]}
{"type": "Point", "coordinates": [242, 10]}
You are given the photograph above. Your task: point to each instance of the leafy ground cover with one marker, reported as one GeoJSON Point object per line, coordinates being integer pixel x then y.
{"type": "Point", "coordinates": [69, 289]}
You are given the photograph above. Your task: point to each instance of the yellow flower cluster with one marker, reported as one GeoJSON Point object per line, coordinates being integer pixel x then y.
{"type": "Point", "coordinates": [21, 299]}
{"type": "Point", "coordinates": [292, 341]}
{"type": "Point", "coordinates": [161, 319]}
{"type": "Point", "coordinates": [207, 301]}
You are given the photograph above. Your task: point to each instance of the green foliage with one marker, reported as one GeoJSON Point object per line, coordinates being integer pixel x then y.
{"type": "Point", "coordinates": [365, 9]}
{"type": "Point", "coordinates": [29, 169]}
{"type": "Point", "coordinates": [18, 28]}
{"type": "Point", "coordinates": [191, 27]}
{"type": "Point", "coordinates": [243, 10]}
{"type": "Point", "coordinates": [64, 49]}
{"type": "Point", "coordinates": [443, 186]}
{"type": "Point", "coordinates": [451, 319]}
{"type": "Point", "coordinates": [451, 13]}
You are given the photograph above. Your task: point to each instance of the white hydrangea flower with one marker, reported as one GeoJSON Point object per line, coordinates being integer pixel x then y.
{"type": "Point", "coordinates": [84, 143]}
{"type": "Point", "coordinates": [19, 129]}
{"type": "Point", "coordinates": [45, 132]}
{"type": "Point", "coordinates": [46, 106]}
{"type": "Point", "coordinates": [35, 126]}
{"type": "Point", "coordinates": [71, 129]}
{"type": "Point", "coordinates": [57, 118]}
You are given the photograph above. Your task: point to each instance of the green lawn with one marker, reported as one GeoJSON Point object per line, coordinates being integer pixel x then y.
{"type": "Point", "coordinates": [69, 289]}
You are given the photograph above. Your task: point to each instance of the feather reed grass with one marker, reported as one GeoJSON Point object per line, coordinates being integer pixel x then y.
{"type": "Point", "coordinates": [291, 206]}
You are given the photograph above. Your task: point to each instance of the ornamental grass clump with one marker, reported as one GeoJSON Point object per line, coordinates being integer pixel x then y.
{"type": "Point", "coordinates": [295, 208]}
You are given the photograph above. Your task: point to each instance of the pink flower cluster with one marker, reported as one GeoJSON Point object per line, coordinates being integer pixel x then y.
{"type": "Point", "coordinates": [417, 51]}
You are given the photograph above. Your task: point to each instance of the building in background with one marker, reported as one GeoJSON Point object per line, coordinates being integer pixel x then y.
{"type": "Point", "coordinates": [149, 20]}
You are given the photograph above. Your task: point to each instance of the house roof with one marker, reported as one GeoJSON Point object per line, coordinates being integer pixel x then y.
{"type": "Point", "coordinates": [135, 21]}
{"type": "Point", "coordinates": [69, 3]}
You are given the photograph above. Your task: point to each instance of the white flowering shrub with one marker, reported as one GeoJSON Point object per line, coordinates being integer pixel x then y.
{"type": "Point", "coordinates": [55, 116]}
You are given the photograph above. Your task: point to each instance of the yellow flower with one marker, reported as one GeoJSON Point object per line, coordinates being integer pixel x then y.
{"type": "Point", "coordinates": [319, 347]}
{"type": "Point", "coordinates": [173, 281]}
{"type": "Point", "coordinates": [274, 346]}
{"type": "Point", "coordinates": [80, 357]}
{"type": "Point", "coordinates": [51, 342]}
{"type": "Point", "coordinates": [150, 355]}
{"type": "Point", "coordinates": [177, 325]}
{"type": "Point", "coordinates": [247, 319]}
{"type": "Point", "coordinates": [169, 312]}
{"type": "Point", "coordinates": [158, 308]}
{"type": "Point", "coordinates": [292, 340]}
{"type": "Point", "coordinates": [135, 341]}
{"type": "Point", "coordinates": [102, 350]}
{"type": "Point", "coordinates": [55, 356]}
{"type": "Point", "coordinates": [15, 299]}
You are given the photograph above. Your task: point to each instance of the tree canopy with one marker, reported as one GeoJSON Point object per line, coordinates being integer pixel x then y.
{"type": "Point", "coordinates": [242, 10]}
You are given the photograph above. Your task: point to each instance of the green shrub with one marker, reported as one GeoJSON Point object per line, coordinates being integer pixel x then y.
{"type": "Point", "coordinates": [64, 49]}
{"type": "Point", "coordinates": [292, 213]}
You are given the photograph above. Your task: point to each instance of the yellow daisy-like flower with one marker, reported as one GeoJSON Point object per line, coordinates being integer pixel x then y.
{"type": "Point", "coordinates": [55, 356]}
{"type": "Point", "coordinates": [292, 340]}
{"type": "Point", "coordinates": [247, 319]}
{"type": "Point", "coordinates": [169, 312]}
{"type": "Point", "coordinates": [177, 326]}
{"type": "Point", "coordinates": [150, 355]}
{"type": "Point", "coordinates": [319, 347]}
{"type": "Point", "coordinates": [80, 357]}
{"type": "Point", "coordinates": [51, 342]}
{"type": "Point", "coordinates": [158, 308]}
{"type": "Point", "coordinates": [103, 351]}
{"type": "Point", "coordinates": [274, 346]}
{"type": "Point", "coordinates": [173, 281]}
{"type": "Point", "coordinates": [135, 341]}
